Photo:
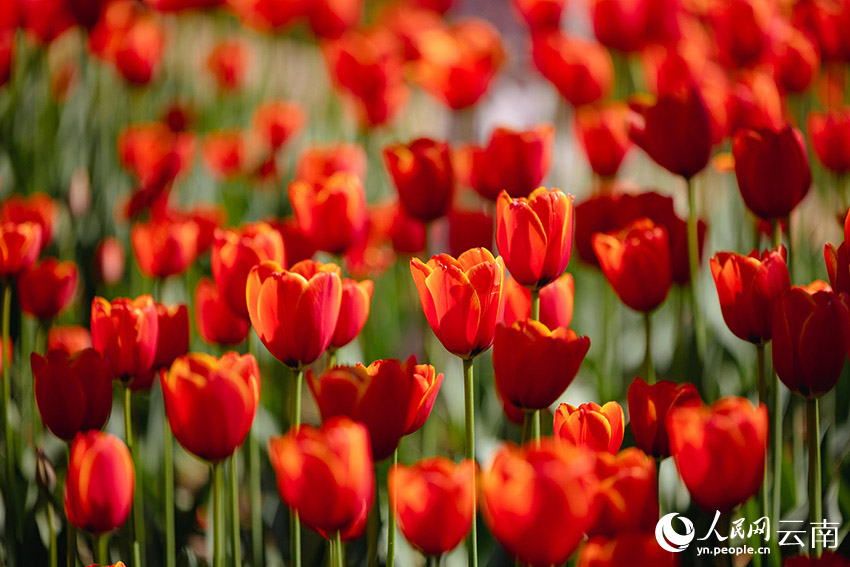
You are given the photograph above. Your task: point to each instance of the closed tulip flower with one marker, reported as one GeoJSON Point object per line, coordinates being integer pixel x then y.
{"type": "Point", "coordinates": [215, 320]}
{"type": "Point", "coordinates": [513, 161]}
{"type": "Point", "coordinates": [597, 428]}
{"type": "Point", "coordinates": [462, 298]}
{"type": "Point", "coordinates": [556, 302]}
{"type": "Point", "coordinates": [675, 131]}
{"type": "Point", "coordinates": [38, 208]}
{"type": "Point", "coordinates": [796, 60]}
{"type": "Point", "coordinates": [579, 68]}
{"type": "Point", "coordinates": [331, 18]}
{"type": "Point", "coordinates": [540, 15]}
{"type": "Point", "coordinates": [533, 365]}
{"type": "Point", "coordinates": [603, 133]}
{"type": "Point", "coordinates": [433, 502]}
{"type": "Point", "coordinates": [235, 251]}
{"type": "Point", "coordinates": [318, 163]}
{"type": "Point", "coordinates": [172, 341]}
{"type": "Point", "coordinates": [73, 391]}
{"type": "Point", "coordinates": [423, 177]}
{"type": "Point", "coordinates": [325, 474]}
{"type": "Point", "coordinates": [277, 122]}
{"type": "Point", "coordinates": [198, 386]}
{"type": "Point", "coordinates": [68, 338]}
{"type": "Point", "coordinates": [100, 482]}
{"type": "Point", "coordinates": [535, 235]}
{"type": "Point", "coordinates": [538, 500]}
{"type": "Point", "coordinates": [353, 311]}
{"type": "Point", "coordinates": [47, 288]}
{"type": "Point", "coordinates": [228, 63]}
{"type": "Point", "coordinates": [20, 244]}
{"type": "Point", "coordinates": [636, 262]}
{"type": "Point", "coordinates": [632, 549]}
{"type": "Point", "coordinates": [621, 24]}
{"type": "Point", "coordinates": [470, 229]}
{"type": "Point", "coordinates": [811, 333]}
{"type": "Point", "coordinates": [295, 312]}
{"type": "Point", "coordinates": [649, 405]}
{"type": "Point", "coordinates": [719, 451]}
{"type": "Point", "coordinates": [224, 154]}
{"type": "Point", "coordinates": [627, 499]}
{"type": "Point", "coordinates": [741, 30]}
{"type": "Point", "coordinates": [164, 248]}
{"type": "Point", "coordinates": [830, 136]}
{"type": "Point", "coordinates": [332, 214]}
{"type": "Point", "coordinates": [772, 169]}
{"type": "Point", "coordinates": [748, 287]}
{"type": "Point", "coordinates": [125, 332]}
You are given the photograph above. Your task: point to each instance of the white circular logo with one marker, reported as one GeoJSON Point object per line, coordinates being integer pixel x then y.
{"type": "Point", "coordinates": [667, 536]}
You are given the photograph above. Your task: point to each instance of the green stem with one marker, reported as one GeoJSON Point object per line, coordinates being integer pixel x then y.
{"type": "Point", "coordinates": [71, 535]}
{"type": "Point", "coordinates": [331, 357]}
{"type": "Point", "coordinates": [294, 523]}
{"type": "Point", "coordinates": [218, 528]}
{"type": "Point", "coordinates": [340, 550]}
{"type": "Point", "coordinates": [649, 369]}
{"type": "Point", "coordinates": [235, 533]}
{"type": "Point", "coordinates": [693, 263]}
{"type": "Point", "coordinates": [432, 561]}
{"type": "Point", "coordinates": [137, 500]}
{"type": "Point", "coordinates": [762, 388]}
{"type": "Point", "coordinates": [391, 521]}
{"type": "Point", "coordinates": [776, 487]}
{"type": "Point", "coordinates": [468, 393]}
{"type": "Point", "coordinates": [168, 479]}
{"type": "Point", "coordinates": [40, 346]}
{"type": "Point", "coordinates": [254, 484]}
{"type": "Point", "coordinates": [7, 427]}
{"type": "Point", "coordinates": [724, 526]}
{"type": "Point", "coordinates": [535, 304]}
{"type": "Point", "coordinates": [815, 492]}
{"type": "Point", "coordinates": [102, 544]}
{"type": "Point", "coordinates": [54, 560]}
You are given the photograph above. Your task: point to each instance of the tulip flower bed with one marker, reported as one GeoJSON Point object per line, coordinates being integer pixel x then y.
{"type": "Point", "coordinates": [424, 282]}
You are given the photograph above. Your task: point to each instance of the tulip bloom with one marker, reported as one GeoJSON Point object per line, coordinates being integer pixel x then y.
{"type": "Point", "coordinates": [675, 131]}
{"type": "Point", "coordinates": [811, 333]}
{"type": "Point", "coordinates": [796, 60]}
{"type": "Point", "coordinates": [20, 244]}
{"type": "Point", "coordinates": [68, 338]}
{"type": "Point", "coordinates": [433, 502]}
{"type": "Point", "coordinates": [125, 332]}
{"type": "Point", "coordinates": [748, 287]}
{"type": "Point", "coordinates": [538, 500]}
{"type": "Point", "coordinates": [470, 229]}
{"type": "Point", "coordinates": [596, 428]}
{"type": "Point", "coordinates": [535, 235]}
{"type": "Point", "coordinates": [741, 29]}
{"type": "Point", "coordinates": [838, 266]}
{"type": "Point", "coordinates": [462, 298]}
{"type": "Point", "coordinates": [277, 122]}
{"type": "Point", "coordinates": [198, 386]}
{"type": "Point", "coordinates": [649, 405]}
{"type": "Point", "coordinates": [533, 366]}
{"type": "Point", "coordinates": [513, 161]}
{"type": "Point", "coordinates": [580, 69]}
{"type": "Point", "coordinates": [636, 262]}
{"type": "Point", "coordinates": [318, 163]}
{"type": "Point", "coordinates": [388, 397]}
{"type": "Point", "coordinates": [719, 451]}
{"type": "Point", "coordinates": [353, 311]}
{"type": "Point", "coordinates": [216, 322]}
{"type": "Point", "coordinates": [603, 133]}
{"type": "Point", "coordinates": [155, 154]}
{"type": "Point", "coordinates": [100, 482]}
{"type": "Point", "coordinates": [423, 177]}
{"type": "Point", "coordinates": [772, 170]}
{"type": "Point", "coordinates": [639, 549]}
{"type": "Point", "coordinates": [172, 341]}
{"type": "Point", "coordinates": [540, 15]}
{"type": "Point", "coordinates": [235, 251]}
{"type": "Point", "coordinates": [108, 261]}
{"type": "Point", "coordinates": [556, 302]}
{"type": "Point", "coordinates": [73, 391]}
{"type": "Point", "coordinates": [295, 312]}
{"type": "Point", "coordinates": [164, 248]}
{"type": "Point", "coordinates": [228, 63]}
{"type": "Point", "coordinates": [38, 208]}
{"type": "Point", "coordinates": [329, 19]}
{"type": "Point", "coordinates": [830, 136]}
{"type": "Point", "coordinates": [332, 214]}
{"type": "Point", "coordinates": [627, 499]}
{"type": "Point", "coordinates": [326, 474]}
{"type": "Point", "coordinates": [47, 288]}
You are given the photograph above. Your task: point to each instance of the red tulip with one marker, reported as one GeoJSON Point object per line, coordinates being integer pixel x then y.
{"type": "Point", "coordinates": [754, 102]}
{"type": "Point", "coordinates": [514, 161]}
{"type": "Point", "coordinates": [535, 235]}
{"type": "Point", "coordinates": [20, 244]}
{"type": "Point", "coordinates": [164, 248]}
{"type": "Point", "coordinates": [73, 391]}
{"type": "Point", "coordinates": [108, 261]}
{"type": "Point", "coordinates": [830, 136]}
{"type": "Point", "coordinates": [409, 236]}
{"type": "Point", "coordinates": [277, 122]}
{"type": "Point", "coordinates": [268, 15]}
{"type": "Point", "coordinates": [138, 56]}
{"type": "Point", "coordinates": [580, 69]}
{"type": "Point", "coordinates": [326, 474]}
{"type": "Point", "coordinates": [47, 288]}
{"type": "Point", "coordinates": [599, 429]}
{"type": "Point", "coordinates": [173, 336]}
{"type": "Point", "coordinates": [353, 311]}
{"type": "Point", "coordinates": [648, 409]}
{"type": "Point", "coordinates": [68, 338]}
{"type": "Point", "coordinates": [38, 208]}
{"type": "Point", "coordinates": [741, 30]}
{"type": "Point", "coordinates": [633, 549]}
{"type": "Point", "coordinates": [462, 298]}
{"type": "Point", "coordinates": [198, 386]}
{"type": "Point", "coordinates": [125, 333]}
{"type": "Point", "coordinates": [811, 334]}
{"type": "Point", "coordinates": [540, 15]}
{"type": "Point", "coordinates": [556, 302]}
{"type": "Point", "coordinates": [772, 170]}
{"type": "Point", "coordinates": [7, 54]}
{"type": "Point", "coordinates": [235, 251]}
{"type": "Point", "coordinates": [533, 366]}
{"type": "Point", "coordinates": [216, 322]}
{"type": "Point", "coordinates": [603, 133]}
{"type": "Point", "coordinates": [827, 559]}
{"type": "Point", "coordinates": [155, 154]}
{"type": "Point", "coordinates": [295, 311]}
{"type": "Point", "coordinates": [318, 163]}
{"type": "Point", "coordinates": [796, 59]}
{"type": "Point", "coordinates": [719, 451]}
{"type": "Point", "coordinates": [332, 214]}
{"type": "Point", "coordinates": [224, 154]}
{"type": "Point", "coordinates": [228, 62]}
{"type": "Point", "coordinates": [331, 18]}
{"type": "Point", "coordinates": [207, 217]}
{"type": "Point", "coordinates": [621, 24]}
{"type": "Point", "coordinates": [627, 498]}
{"type": "Point", "coordinates": [470, 229]}
{"type": "Point", "coordinates": [385, 396]}
{"type": "Point", "coordinates": [174, 6]}
{"type": "Point", "coordinates": [100, 482]}
{"type": "Point", "coordinates": [297, 244]}
{"type": "Point", "coordinates": [422, 174]}
{"type": "Point", "coordinates": [748, 287]}
{"type": "Point", "coordinates": [636, 262]}
{"type": "Point", "coordinates": [433, 501]}
{"type": "Point", "coordinates": [675, 131]}
{"type": "Point", "coordinates": [537, 500]}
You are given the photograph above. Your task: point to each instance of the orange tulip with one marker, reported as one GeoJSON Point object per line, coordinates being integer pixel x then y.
{"type": "Point", "coordinates": [627, 499]}
{"type": "Point", "coordinates": [581, 69]}
{"type": "Point", "coordinates": [155, 154]}
{"type": "Point", "coordinates": [68, 338]}
{"type": "Point", "coordinates": [125, 332]}
{"type": "Point", "coordinates": [318, 163]}
{"type": "Point", "coordinates": [423, 177]}
{"type": "Point", "coordinates": [100, 482]}
{"type": "Point", "coordinates": [649, 405]}
{"type": "Point", "coordinates": [603, 133]}
{"type": "Point", "coordinates": [47, 288]}
{"type": "Point", "coordinates": [73, 392]}
{"type": "Point", "coordinates": [235, 251]}
{"type": "Point", "coordinates": [295, 312]}
{"type": "Point", "coordinates": [535, 235]}
{"type": "Point", "coordinates": [599, 429]}
{"type": "Point", "coordinates": [20, 244]}
{"type": "Point", "coordinates": [514, 161]}
{"type": "Point", "coordinates": [719, 451]}
{"type": "Point", "coordinates": [462, 298]}
{"type": "Point", "coordinates": [540, 15]}
{"type": "Point", "coordinates": [533, 366]}
{"type": "Point", "coordinates": [228, 63]}
{"type": "Point", "coordinates": [172, 341]}
{"type": "Point", "coordinates": [326, 474]}
{"type": "Point", "coordinates": [216, 322]}
{"type": "Point", "coordinates": [224, 154]}
{"type": "Point", "coordinates": [632, 549]}
{"type": "Point", "coordinates": [277, 122]}
{"type": "Point", "coordinates": [38, 208]}
{"type": "Point", "coordinates": [556, 302]}
{"type": "Point", "coordinates": [332, 214]}
{"type": "Point", "coordinates": [164, 248]}
{"type": "Point", "coordinates": [433, 502]}
{"type": "Point", "coordinates": [353, 311]}
{"type": "Point", "coordinates": [331, 18]}
{"type": "Point", "coordinates": [198, 386]}
{"type": "Point", "coordinates": [537, 500]}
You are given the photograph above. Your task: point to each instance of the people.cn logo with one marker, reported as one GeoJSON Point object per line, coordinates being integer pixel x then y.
{"type": "Point", "coordinates": [671, 540]}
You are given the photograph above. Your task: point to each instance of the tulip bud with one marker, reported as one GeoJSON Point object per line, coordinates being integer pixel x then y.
{"type": "Point", "coordinates": [277, 122]}
{"type": "Point", "coordinates": [470, 229]}
{"type": "Point", "coordinates": [353, 311]}
{"type": "Point", "coordinates": [603, 133]}
{"type": "Point", "coordinates": [648, 409]}
{"type": "Point", "coordinates": [216, 322]}
{"type": "Point", "coordinates": [228, 63]}
{"type": "Point", "coordinates": [830, 136]}
{"type": "Point", "coordinates": [423, 177]}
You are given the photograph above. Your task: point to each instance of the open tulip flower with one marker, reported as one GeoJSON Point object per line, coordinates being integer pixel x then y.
{"type": "Point", "coordinates": [47, 288]}
{"type": "Point", "coordinates": [556, 302]}
{"type": "Point", "coordinates": [597, 428]}
{"type": "Point", "coordinates": [648, 409]}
